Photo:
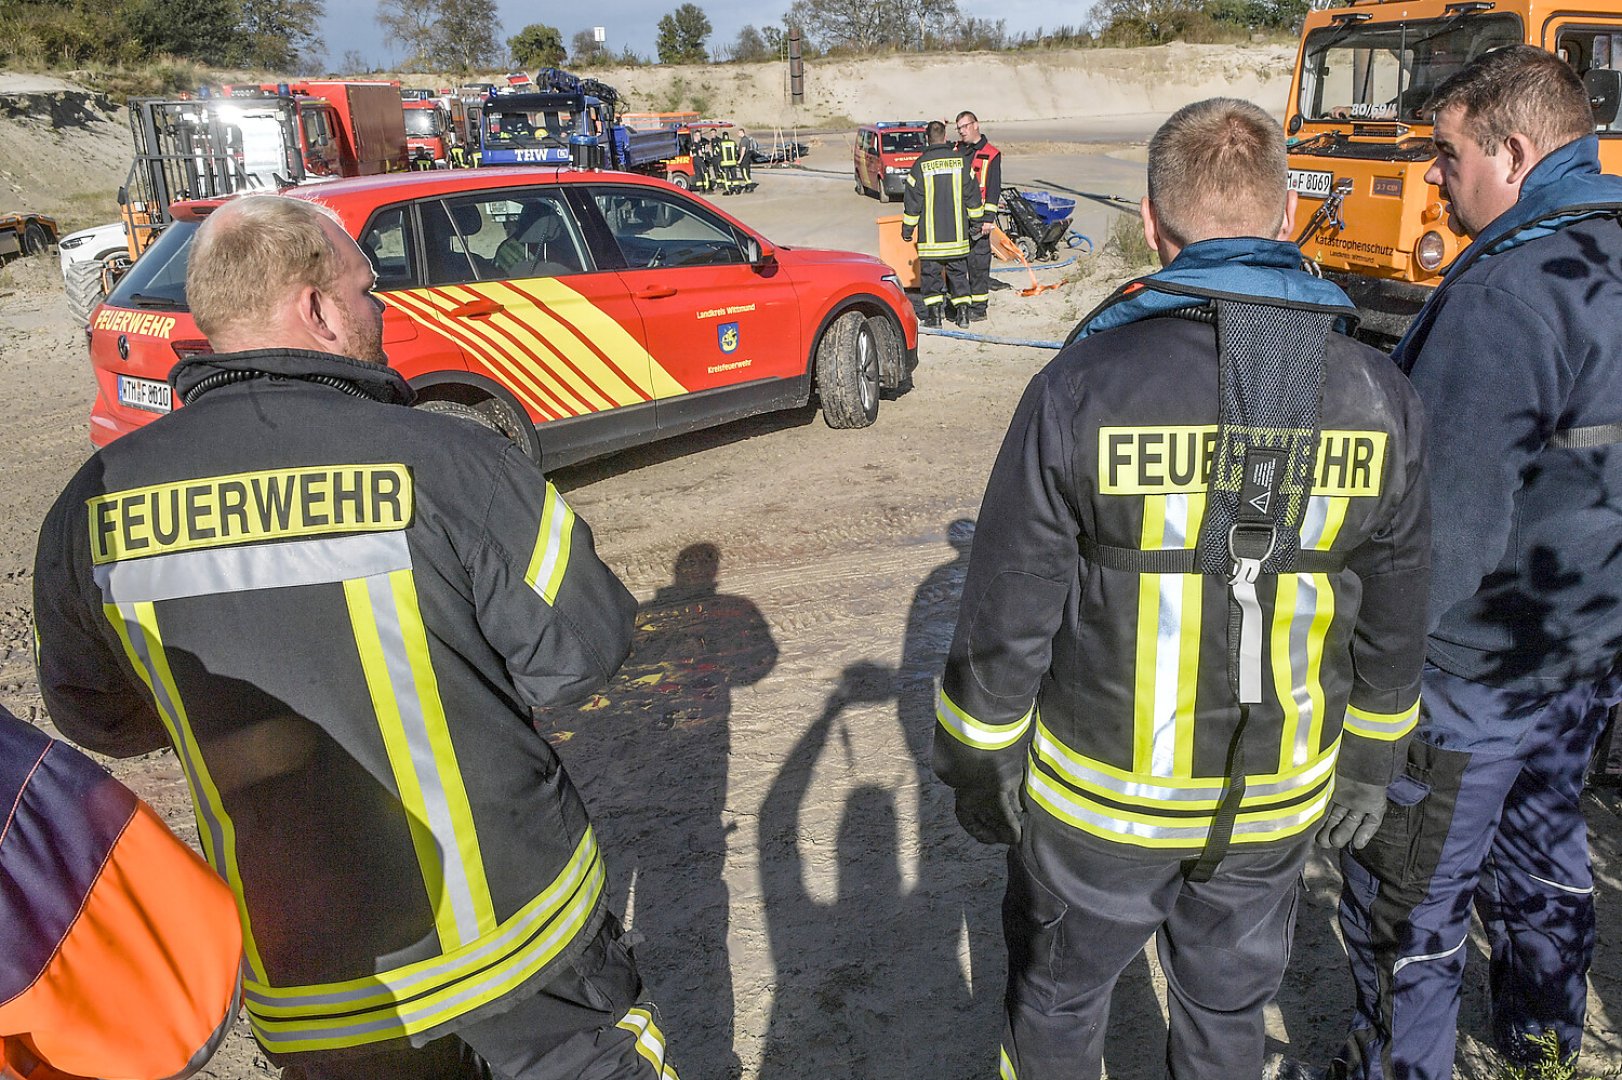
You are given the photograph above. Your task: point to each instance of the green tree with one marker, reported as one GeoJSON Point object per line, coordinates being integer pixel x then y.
{"type": "Point", "coordinates": [204, 30]}
{"type": "Point", "coordinates": [537, 45]}
{"type": "Point", "coordinates": [464, 35]}
{"type": "Point", "coordinates": [750, 45]}
{"type": "Point", "coordinates": [278, 34]}
{"type": "Point", "coordinates": [409, 24]}
{"type": "Point", "coordinates": [586, 51]}
{"type": "Point", "coordinates": [682, 34]}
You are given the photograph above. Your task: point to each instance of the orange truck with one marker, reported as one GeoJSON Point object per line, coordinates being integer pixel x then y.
{"type": "Point", "coordinates": [427, 132]}
{"type": "Point", "coordinates": [346, 128]}
{"type": "Point", "coordinates": [1360, 141]}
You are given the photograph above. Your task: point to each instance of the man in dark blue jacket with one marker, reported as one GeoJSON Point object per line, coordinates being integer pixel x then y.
{"type": "Point", "coordinates": [1518, 359]}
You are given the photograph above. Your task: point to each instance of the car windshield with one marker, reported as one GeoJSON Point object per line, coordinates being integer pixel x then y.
{"type": "Point", "coordinates": [903, 142]}
{"type": "Point", "coordinates": [422, 122]}
{"type": "Point", "coordinates": [1388, 70]}
{"type": "Point", "coordinates": [158, 278]}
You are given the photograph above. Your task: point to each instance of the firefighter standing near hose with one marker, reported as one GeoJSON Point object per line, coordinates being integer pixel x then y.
{"type": "Point", "coordinates": [1191, 628]}
{"type": "Point", "coordinates": [339, 611]}
{"type": "Point", "coordinates": [728, 156]}
{"type": "Point", "coordinates": [943, 205]}
{"type": "Point", "coordinates": [985, 161]}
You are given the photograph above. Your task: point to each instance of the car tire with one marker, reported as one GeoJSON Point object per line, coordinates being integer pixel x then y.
{"type": "Point", "coordinates": [893, 373]}
{"type": "Point", "coordinates": [681, 180]}
{"type": "Point", "coordinates": [848, 372]}
{"type": "Point", "coordinates": [82, 283]}
{"type": "Point", "coordinates": [35, 239]}
{"type": "Point", "coordinates": [494, 413]}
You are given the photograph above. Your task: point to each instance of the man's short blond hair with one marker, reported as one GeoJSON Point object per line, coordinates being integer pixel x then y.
{"type": "Point", "coordinates": [1522, 90]}
{"type": "Point", "coordinates": [1218, 168]}
{"type": "Point", "coordinates": [250, 254]}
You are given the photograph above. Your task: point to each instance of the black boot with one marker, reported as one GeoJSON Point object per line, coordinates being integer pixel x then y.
{"type": "Point", "coordinates": [960, 315]}
{"type": "Point", "coordinates": [932, 316]}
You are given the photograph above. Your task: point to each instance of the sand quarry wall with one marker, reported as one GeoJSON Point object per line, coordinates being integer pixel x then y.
{"type": "Point", "coordinates": [65, 151]}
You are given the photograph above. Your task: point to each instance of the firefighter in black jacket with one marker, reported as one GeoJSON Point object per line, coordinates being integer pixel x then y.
{"type": "Point", "coordinates": [1193, 620]}
{"type": "Point", "coordinates": [943, 201]}
{"type": "Point", "coordinates": [339, 612]}
{"type": "Point", "coordinates": [985, 162]}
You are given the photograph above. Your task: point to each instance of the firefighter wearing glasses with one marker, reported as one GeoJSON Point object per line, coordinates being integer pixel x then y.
{"type": "Point", "coordinates": [985, 161]}
{"type": "Point", "coordinates": [1192, 624]}
{"type": "Point", "coordinates": [943, 206]}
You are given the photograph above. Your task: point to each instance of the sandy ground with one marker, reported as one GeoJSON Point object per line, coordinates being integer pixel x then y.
{"type": "Point", "coordinates": [807, 906]}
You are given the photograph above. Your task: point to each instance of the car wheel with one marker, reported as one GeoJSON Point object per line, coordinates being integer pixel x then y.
{"type": "Point", "coordinates": [35, 240]}
{"type": "Point", "coordinates": [893, 373]}
{"type": "Point", "coordinates": [681, 180]}
{"type": "Point", "coordinates": [82, 283]}
{"type": "Point", "coordinates": [848, 372]}
{"type": "Point", "coordinates": [495, 414]}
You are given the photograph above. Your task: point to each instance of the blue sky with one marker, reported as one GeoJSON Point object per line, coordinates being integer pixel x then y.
{"type": "Point", "coordinates": [351, 24]}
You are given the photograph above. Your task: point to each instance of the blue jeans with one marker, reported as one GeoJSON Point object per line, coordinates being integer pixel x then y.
{"type": "Point", "coordinates": [1485, 814]}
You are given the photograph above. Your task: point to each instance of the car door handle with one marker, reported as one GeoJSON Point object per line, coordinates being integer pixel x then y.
{"type": "Point", "coordinates": [656, 292]}
{"type": "Point", "coordinates": [473, 308]}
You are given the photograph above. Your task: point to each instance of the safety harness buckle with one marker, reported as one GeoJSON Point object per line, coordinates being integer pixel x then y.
{"type": "Point", "coordinates": [1250, 543]}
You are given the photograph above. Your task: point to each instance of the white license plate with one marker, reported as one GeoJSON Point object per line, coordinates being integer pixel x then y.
{"type": "Point", "coordinates": [1311, 183]}
{"type": "Point", "coordinates": [144, 394]}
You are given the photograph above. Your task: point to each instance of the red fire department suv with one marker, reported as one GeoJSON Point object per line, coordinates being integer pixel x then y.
{"type": "Point", "coordinates": [576, 312]}
{"type": "Point", "coordinates": [885, 152]}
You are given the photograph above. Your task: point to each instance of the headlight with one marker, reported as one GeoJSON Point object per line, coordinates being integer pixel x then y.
{"type": "Point", "coordinates": [1430, 250]}
{"type": "Point", "coordinates": [72, 243]}
{"type": "Point", "coordinates": [892, 279]}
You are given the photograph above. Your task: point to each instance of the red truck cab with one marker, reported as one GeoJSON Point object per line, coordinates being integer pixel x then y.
{"type": "Point", "coordinates": [346, 128]}
{"type": "Point", "coordinates": [427, 133]}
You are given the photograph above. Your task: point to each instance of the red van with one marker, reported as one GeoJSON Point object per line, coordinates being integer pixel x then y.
{"type": "Point", "coordinates": [885, 152]}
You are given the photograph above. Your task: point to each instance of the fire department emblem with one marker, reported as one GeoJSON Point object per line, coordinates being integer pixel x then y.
{"type": "Point", "coordinates": [728, 334]}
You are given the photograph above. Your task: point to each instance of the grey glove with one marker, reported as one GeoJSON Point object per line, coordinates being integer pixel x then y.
{"type": "Point", "coordinates": [1355, 812]}
{"type": "Point", "coordinates": [991, 817]}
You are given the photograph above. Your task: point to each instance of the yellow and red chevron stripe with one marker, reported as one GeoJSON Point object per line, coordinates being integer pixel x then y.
{"type": "Point", "coordinates": [570, 358]}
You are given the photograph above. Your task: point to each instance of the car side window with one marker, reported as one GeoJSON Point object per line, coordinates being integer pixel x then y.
{"type": "Point", "coordinates": [521, 234]}
{"type": "Point", "coordinates": [447, 237]}
{"type": "Point", "coordinates": [655, 229]}
{"type": "Point", "coordinates": [388, 242]}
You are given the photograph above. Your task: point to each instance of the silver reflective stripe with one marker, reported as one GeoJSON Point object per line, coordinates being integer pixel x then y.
{"type": "Point", "coordinates": [1361, 722]}
{"type": "Point", "coordinates": [1572, 889]}
{"type": "Point", "coordinates": [1306, 609]}
{"type": "Point", "coordinates": [434, 1008]}
{"type": "Point", "coordinates": [1050, 751]}
{"type": "Point", "coordinates": [1250, 642]}
{"type": "Point", "coordinates": [185, 749]}
{"type": "Point", "coordinates": [1406, 960]}
{"type": "Point", "coordinates": [1045, 791]}
{"type": "Point", "coordinates": [458, 889]}
{"type": "Point", "coordinates": [1313, 522]}
{"type": "Point", "coordinates": [976, 733]}
{"type": "Point", "coordinates": [1062, 761]}
{"type": "Point", "coordinates": [1168, 644]}
{"type": "Point", "coordinates": [252, 566]}
{"type": "Point", "coordinates": [420, 978]}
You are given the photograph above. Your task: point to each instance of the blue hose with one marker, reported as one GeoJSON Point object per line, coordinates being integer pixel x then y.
{"type": "Point", "coordinates": [989, 339]}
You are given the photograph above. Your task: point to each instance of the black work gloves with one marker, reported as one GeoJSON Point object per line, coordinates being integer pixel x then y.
{"type": "Point", "coordinates": [1354, 813]}
{"type": "Point", "coordinates": [990, 816]}
{"type": "Point", "coordinates": [906, 236]}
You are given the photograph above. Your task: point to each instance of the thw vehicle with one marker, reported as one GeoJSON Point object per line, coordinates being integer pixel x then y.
{"type": "Point", "coordinates": [576, 312]}
{"type": "Point", "coordinates": [1360, 141]}
{"type": "Point", "coordinates": [885, 152]}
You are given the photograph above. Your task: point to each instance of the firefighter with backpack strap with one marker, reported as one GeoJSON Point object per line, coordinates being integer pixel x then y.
{"type": "Point", "coordinates": [1191, 628]}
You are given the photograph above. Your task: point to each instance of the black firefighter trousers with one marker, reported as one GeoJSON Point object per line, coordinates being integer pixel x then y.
{"type": "Point", "coordinates": [943, 279]}
{"type": "Point", "coordinates": [1079, 909]}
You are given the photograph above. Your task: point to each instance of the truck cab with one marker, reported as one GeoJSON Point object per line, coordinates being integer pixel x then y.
{"type": "Point", "coordinates": [1360, 140]}
{"type": "Point", "coordinates": [427, 133]}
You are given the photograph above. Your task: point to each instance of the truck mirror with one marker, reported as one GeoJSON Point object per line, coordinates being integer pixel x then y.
{"type": "Point", "coordinates": [123, 196]}
{"type": "Point", "coordinates": [1604, 88]}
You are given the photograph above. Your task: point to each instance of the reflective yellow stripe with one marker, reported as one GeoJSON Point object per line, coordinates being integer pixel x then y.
{"type": "Point", "coordinates": [550, 559]}
{"type": "Point", "coordinates": [423, 995]}
{"type": "Point", "coordinates": [1005, 1068]}
{"type": "Point", "coordinates": [1278, 654]}
{"type": "Point", "coordinates": [363, 621]}
{"type": "Point", "coordinates": [1387, 727]}
{"type": "Point", "coordinates": [909, 220]}
{"type": "Point", "coordinates": [1143, 690]}
{"type": "Point", "coordinates": [216, 831]}
{"type": "Point", "coordinates": [1334, 518]}
{"type": "Point", "coordinates": [971, 732]}
{"type": "Point", "coordinates": [650, 1041]}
